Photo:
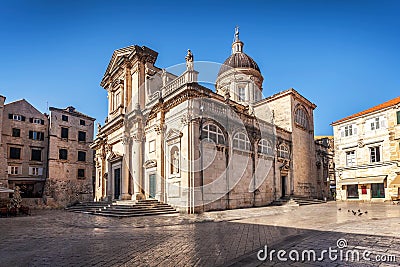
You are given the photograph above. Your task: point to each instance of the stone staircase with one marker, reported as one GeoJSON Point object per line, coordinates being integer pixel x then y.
{"type": "Point", "coordinates": [296, 201]}
{"type": "Point", "coordinates": [302, 201]}
{"type": "Point", "coordinates": [126, 208]}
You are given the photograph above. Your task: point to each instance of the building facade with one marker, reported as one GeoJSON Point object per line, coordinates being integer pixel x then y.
{"type": "Point", "coordinates": [367, 153]}
{"type": "Point", "coordinates": [70, 162]}
{"type": "Point", "coordinates": [325, 156]}
{"type": "Point", "coordinates": [30, 144]}
{"type": "Point", "coordinates": [168, 137]}
{"type": "Point", "coordinates": [25, 138]}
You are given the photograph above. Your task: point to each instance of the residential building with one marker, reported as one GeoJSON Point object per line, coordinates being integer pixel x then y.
{"type": "Point", "coordinates": [31, 157]}
{"type": "Point", "coordinates": [367, 153]}
{"type": "Point", "coordinates": [25, 139]}
{"type": "Point", "coordinates": [168, 137]}
{"type": "Point", "coordinates": [70, 162]}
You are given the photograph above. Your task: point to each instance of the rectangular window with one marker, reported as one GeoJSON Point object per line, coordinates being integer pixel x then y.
{"type": "Point", "coordinates": [375, 154]}
{"type": "Point", "coordinates": [81, 156]}
{"type": "Point", "coordinates": [36, 154]}
{"type": "Point", "coordinates": [35, 171]}
{"type": "Point", "coordinates": [117, 100]}
{"type": "Point", "coordinates": [16, 132]}
{"type": "Point", "coordinates": [64, 132]}
{"type": "Point", "coordinates": [16, 117]}
{"type": "Point", "coordinates": [63, 154]}
{"type": "Point", "coordinates": [242, 94]}
{"type": "Point", "coordinates": [349, 130]}
{"type": "Point", "coordinates": [377, 123]}
{"type": "Point", "coordinates": [81, 136]}
{"type": "Point", "coordinates": [350, 158]}
{"type": "Point", "coordinates": [64, 118]}
{"type": "Point", "coordinates": [352, 191]}
{"type": "Point", "coordinates": [81, 173]}
{"type": "Point", "coordinates": [36, 135]}
{"type": "Point", "coordinates": [378, 190]}
{"type": "Point", "coordinates": [13, 170]}
{"type": "Point", "coordinates": [37, 121]}
{"type": "Point", "coordinates": [82, 122]}
{"type": "Point", "coordinates": [15, 153]}
{"type": "Point", "coordinates": [152, 146]}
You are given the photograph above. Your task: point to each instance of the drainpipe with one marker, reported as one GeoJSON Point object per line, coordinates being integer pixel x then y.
{"type": "Point", "coordinates": [46, 178]}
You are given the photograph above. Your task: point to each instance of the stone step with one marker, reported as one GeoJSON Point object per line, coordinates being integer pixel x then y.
{"type": "Point", "coordinates": [132, 212]}
{"type": "Point", "coordinates": [124, 208]}
{"type": "Point", "coordinates": [135, 214]}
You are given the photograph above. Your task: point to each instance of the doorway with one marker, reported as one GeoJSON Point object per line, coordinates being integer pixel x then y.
{"type": "Point", "coordinates": [152, 185]}
{"type": "Point", "coordinates": [117, 183]}
{"type": "Point", "coordinates": [378, 190]}
{"type": "Point", "coordinates": [283, 186]}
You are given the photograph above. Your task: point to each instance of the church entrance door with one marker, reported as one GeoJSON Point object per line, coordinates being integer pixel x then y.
{"type": "Point", "coordinates": [283, 185]}
{"type": "Point", "coordinates": [117, 183]}
{"type": "Point", "coordinates": [152, 185]}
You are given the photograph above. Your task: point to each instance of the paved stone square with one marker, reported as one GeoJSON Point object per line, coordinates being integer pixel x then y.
{"type": "Point", "coordinates": [224, 238]}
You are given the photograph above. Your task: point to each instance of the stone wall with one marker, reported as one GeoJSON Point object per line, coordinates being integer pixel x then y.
{"type": "Point", "coordinates": [64, 184]}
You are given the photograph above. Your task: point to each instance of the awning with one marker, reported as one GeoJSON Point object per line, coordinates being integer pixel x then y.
{"type": "Point", "coordinates": [363, 180]}
{"type": "Point", "coordinates": [396, 181]}
{"type": "Point", "coordinates": [6, 190]}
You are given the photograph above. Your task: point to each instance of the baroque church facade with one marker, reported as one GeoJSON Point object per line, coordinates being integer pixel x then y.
{"type": "Point", "coordinates": [170, 138]}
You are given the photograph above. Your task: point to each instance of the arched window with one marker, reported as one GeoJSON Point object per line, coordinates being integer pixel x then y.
{"type": "Point", "coordinates": [301, 117]}
{"type": "Point", "coordinates": [283, 151]}
{"type": "Point", "coordinates": [212, 132]}
{"type": "Point", "coordinates": [241, 141]}
{"type": "Point", "coordinates": [264, 147]}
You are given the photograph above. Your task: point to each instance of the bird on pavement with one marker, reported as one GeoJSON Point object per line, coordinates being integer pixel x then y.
{"type": "Point", "coordinates": [339, 209]}
{"type": "Point", "coordinates": [366, 212]}
{"type": "Point", "coordinates": [348, 210]}
{"type": "Point", "coordinates": [360, 214]}
{"type": "Point", "coordinates": [359, 210]}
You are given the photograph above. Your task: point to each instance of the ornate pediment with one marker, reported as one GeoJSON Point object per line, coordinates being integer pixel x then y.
{"type": "Point", "coordinates": [114, 157]}
{"type": "Point", "coordinates": [150, 164]}
{"type": "Point", "coordinates": [173, 134]}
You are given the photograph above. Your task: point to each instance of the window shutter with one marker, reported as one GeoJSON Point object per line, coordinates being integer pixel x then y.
{"type": "Point", "coordinates": [30, 134]}
{"type": "Point", "coordinates": [40, 171]}
{"type": "Point", "coordinates": [341, 132]}
{"type": "Point", "coordinates": [382, 122]}
{"type": "Point", "coordinates": [10, 116]}
{"type": "Point", "coordinates": [355, 129]}
{"type": "Point", "coordinates": [30, 171]}
{"type": "Point", "coordinates": [31, 120]}
{"type": "Point", "coordinates": [23, 118]}
{"type": "Point", "coordinates": [398, 117]}
{"type": "Point", "coordinates": [9, 169]}
{"type": "Point", "coordinates": [42, 122]}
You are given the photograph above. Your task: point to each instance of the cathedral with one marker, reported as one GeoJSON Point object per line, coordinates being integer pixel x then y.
{"type": "Point", "coordinates": [170, 138]}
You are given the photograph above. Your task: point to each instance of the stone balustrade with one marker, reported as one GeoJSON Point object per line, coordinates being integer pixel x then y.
{"type": "Point", "coordinates": [186, 77]}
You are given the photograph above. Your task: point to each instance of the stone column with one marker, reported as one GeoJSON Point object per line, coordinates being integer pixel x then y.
{"type": "Point", "coordinates": [125, 171]}
{"type": "Point", "coordinates": [137, 164]}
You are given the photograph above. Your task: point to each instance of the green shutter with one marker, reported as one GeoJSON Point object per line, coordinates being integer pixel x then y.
{"type": "Point", "coordinates": [398, 117]}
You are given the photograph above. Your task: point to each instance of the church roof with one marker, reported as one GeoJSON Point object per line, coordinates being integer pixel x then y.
{"type": "Point", "coordinates": [238, 60]}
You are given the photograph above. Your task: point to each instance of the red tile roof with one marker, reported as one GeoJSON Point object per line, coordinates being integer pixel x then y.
{"type": "Point", "coordinates": [384, 105]}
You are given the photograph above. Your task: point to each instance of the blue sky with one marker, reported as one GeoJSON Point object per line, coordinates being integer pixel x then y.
{"type": "Point", "coordinates": [342, 55]}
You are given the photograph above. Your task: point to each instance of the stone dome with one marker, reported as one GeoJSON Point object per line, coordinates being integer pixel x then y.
{"type": "Point", "coordinates": [238, 60]}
